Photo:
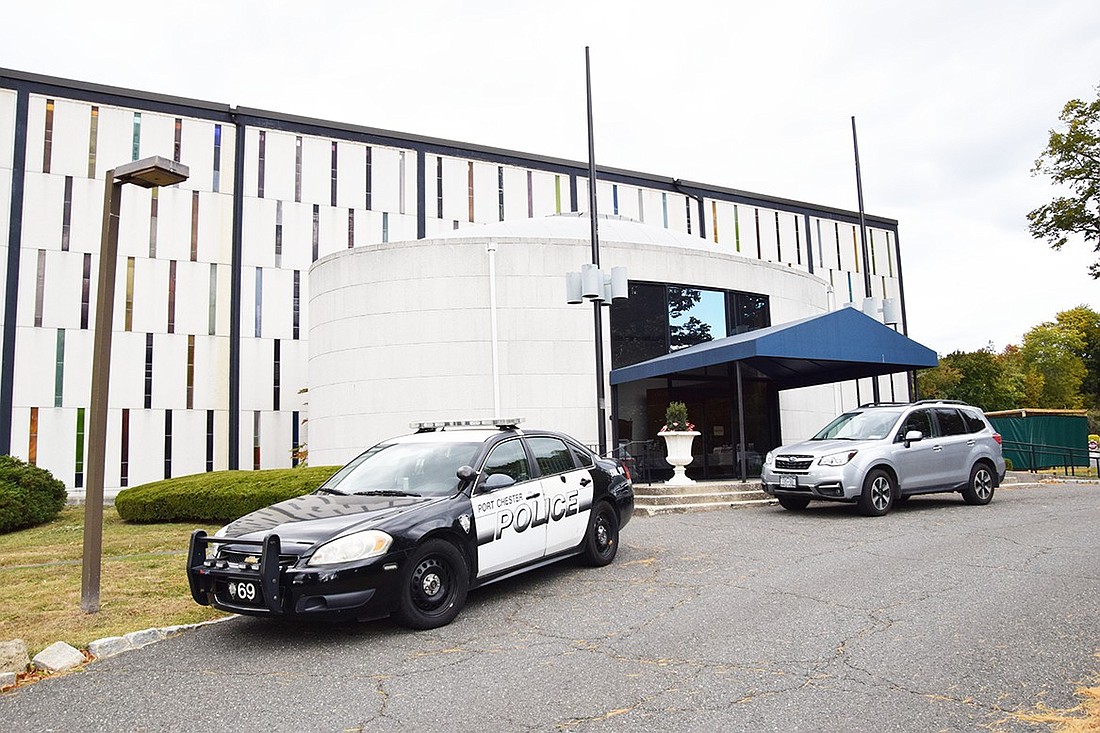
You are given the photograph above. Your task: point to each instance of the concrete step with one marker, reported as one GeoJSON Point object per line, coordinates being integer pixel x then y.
{"type": "Point", "coordinates": [650, 499]}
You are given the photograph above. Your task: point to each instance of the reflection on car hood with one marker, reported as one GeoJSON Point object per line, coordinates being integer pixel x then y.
{"type": "Point", "coordinates": [821, 447]}
{"type": "Point", "coordinates": [317, 517]}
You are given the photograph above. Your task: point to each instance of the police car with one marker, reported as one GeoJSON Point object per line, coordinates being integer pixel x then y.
{"type": "Point", "coordinates": [412, 524]}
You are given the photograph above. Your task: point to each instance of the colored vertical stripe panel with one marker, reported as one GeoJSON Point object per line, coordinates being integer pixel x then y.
{"type": "Point", "coordinates": [93, 138]}
{"type": "Point", "coordinates": [798, 240]}
{"type": "Point", "coordinates": [216, 183]}
{"type": "Point", "coordinates": [167, 444]}
{"type": "Point", "coordinates": [67, 214]}
{"type": "Point", "coordinates": [295, 304]}
{"type": "Point", "coordinates": [615, 199]}
{"type": "Point", "coordinates": [47, 140]}
{"type": "Point", "coordinates": [124, 458]}
{"type": "Point", "coordinates": [439, 187]}
{"type": "Point", "coordinates": [836, 234]}
{"type": "Point", "coordinates": [332, 175]}
{"type": "Point", "coordinates": [641, 206]}
{"type": "Point", "coordinates": [820, 245]}
{"type": "Point", "coordinates": [737, 227]}
{"type": "Point", "coordinates": [855, 247]}
{"type": "Point", "coordinates": [32, 438]}
{"type": "Point", "coordinates": [86, 291]}
{"type": "Point", "coordinates": [256, 440]}
{"type": "Point", "coordinates": [557, 194]}
{"type": "Point", "coordinates": [135, 151]}
{"type": "Point", "coordinates": [209, 440]}
{"type": "Point", "coordinates": [276, 370]}
{"type": "Point", "coordinates": [470, 187]}
{"type": "Point", "coordinates": [148, 402]}
{"type": "Point", "coordinates": [128, 317]}
{"type": "Point", "coordinates": [401, 184]}
{"type": "Point", "coordinates": [714, 219]}
{"type": "Point", "coordinates": [687, 212]}
{"type": "Point", "coordinates": [212, 324]}
{"type": "Point", "coordinates": [40, 289]}
{"type": "Point", "coordinates": [78, 478]}
{"type": "Point", "coordinates": [259, 302]}
{"type": "Point", "coordinates": [278, 234]}
{"type": "Point", "coordinates": [664, 209]}
{"type": "Point", "coordinates": [154, 205]}
{"type": "Point", "coordinates": [385, 226]}
{"type": "Point", "coordinates": [298, 169]}
{"type": "Point", "coordinates": [178, 140]}
{"type": "Point", "coordinates": [295, 437]}
{"type": "Point", "coordinates": [778, 240]}
{"type": "Point", "coordinates": [351, 228]}
{"type": "Point", "coordinates": [194, 226]}
{"type": "Point", "coordinates": [367, 183]}
{"type": "Point", "coordinates": [889, 254]}
{"type": "Point", "coordinates": [756, 219]}
{"type": "Point", "coordinates": [59, 368]}
{"type": "Point", "coordinates": [171, 296]}
{"type": "Point", "coordinates": [190, 397]}
{"type": "Point", "coordinates": [530, 194]}
{"type": "Point", "coordinates": [260, 165]}
{"type": "Point", "coordinates": [500, 191]}
{"type": "Point", "coordinates": [871, 246]}
{"type": "Point", "coordinates": [316, 231]}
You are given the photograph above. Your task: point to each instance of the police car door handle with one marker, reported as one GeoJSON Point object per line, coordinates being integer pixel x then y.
{"type": "Point", "coordinates": [534, 495]}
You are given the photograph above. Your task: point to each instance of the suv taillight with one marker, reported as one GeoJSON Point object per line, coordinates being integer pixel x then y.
{"type": "Point", "coordinates": [997, 437]}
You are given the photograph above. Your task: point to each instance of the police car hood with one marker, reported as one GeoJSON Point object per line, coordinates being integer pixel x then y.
{"type": "Point", "coordinates": [315, 518]}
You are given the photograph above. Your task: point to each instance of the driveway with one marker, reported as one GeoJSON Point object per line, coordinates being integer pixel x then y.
{"type": "Point", "coordinates": [937, 617]}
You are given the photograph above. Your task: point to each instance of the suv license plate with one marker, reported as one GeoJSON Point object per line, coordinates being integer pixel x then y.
{"type": "Point", "coordinates": [788, 482]}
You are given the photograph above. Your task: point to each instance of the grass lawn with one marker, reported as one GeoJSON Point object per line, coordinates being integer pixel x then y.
{"type": "Point", "coordinates": [143, 582]}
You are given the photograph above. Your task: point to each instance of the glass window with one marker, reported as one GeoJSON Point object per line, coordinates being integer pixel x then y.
{"type": "Point", "coordinates": [749, 312]}
{"type": "Point", "coordinates": [919, 420]}
{"type": "Point", "coordinates": [974, 423]}
{"type": "Point", "coordinates": [510, 459]}
{"type": "Point", "coordinates": [551, 455]}
{"type": "Point", "coordinates": [695, 316]}
{"type": "Point", "coordinates": [950, 421]}
{"type": "Point", "coordinates": [426, 469]}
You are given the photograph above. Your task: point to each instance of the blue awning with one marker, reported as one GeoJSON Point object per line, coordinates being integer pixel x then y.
{"type": "Point", "coordinates": [832, 347]}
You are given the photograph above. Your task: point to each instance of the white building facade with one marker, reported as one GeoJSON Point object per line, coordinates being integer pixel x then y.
{"type": "Point", "coordinates": [211, 364]}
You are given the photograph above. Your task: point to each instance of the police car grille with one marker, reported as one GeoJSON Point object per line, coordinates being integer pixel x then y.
{"type": "Point", "coordinates": [793, 463]}
{"type": "Point", "coordinates": [239, 557]}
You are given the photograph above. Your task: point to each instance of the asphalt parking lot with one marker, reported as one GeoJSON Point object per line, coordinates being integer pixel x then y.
{"type": "Point", "coordinates": [937, 617]}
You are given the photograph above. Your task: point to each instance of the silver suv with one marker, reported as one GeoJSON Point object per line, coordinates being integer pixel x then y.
{"type": "Point", "coordinates": [879, 455]}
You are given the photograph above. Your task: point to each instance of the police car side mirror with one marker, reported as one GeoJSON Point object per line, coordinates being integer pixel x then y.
{"type": "Point", "coordinates": [913, 436]}
{"type": "Point", "coordinates": [465, 473]}
{"type": "Point", "coordinates": [497, 481]}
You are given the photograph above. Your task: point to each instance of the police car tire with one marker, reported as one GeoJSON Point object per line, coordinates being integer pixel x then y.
{"type": "Point", "coordinates": [601, 540]}
{"type": "Point", "coordinates": [433, 561]}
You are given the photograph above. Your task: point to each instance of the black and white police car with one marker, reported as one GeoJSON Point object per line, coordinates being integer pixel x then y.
{"type": "Point", "coordinates": [409, 526]}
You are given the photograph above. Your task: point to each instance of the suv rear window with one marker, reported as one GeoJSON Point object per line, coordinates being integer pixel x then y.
{"type": "Point", "coordinates": [951, 422]}
{"type": "Point", "coordinates": [974, 424]}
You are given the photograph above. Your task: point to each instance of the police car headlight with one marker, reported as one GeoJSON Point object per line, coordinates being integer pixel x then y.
{"type": "Point", "coordinates": [837, 459]}
{"type": "Point", "coordinates": [357, 546]}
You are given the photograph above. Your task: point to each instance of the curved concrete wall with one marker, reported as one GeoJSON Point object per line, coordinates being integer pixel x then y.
{"type": "Point", "coordinates": [401, 332]}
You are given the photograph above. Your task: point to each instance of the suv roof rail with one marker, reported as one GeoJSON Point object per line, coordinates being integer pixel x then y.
{"type": "Point", "coordinates": [430, 426]}
{"type": "Point", "coordinates": [942, 402]}
{"type": "Point", "coordinates": [884, 404]}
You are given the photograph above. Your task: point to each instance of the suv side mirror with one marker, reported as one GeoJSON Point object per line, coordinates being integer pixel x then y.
{"type": "Point", "coordinates": [913, 436]}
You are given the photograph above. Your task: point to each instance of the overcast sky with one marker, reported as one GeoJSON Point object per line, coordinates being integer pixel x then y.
{"type": "Point", "coordinates": [953, 101]}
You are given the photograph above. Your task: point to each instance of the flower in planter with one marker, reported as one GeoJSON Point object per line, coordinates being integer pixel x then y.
{"type": "Point", "coordinates": [676, 418]}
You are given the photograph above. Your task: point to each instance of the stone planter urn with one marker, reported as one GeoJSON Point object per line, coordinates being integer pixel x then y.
{"type": "Point", "coordinates": [678, 443]}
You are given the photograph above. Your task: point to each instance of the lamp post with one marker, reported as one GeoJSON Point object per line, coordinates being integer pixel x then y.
{"type": "Point", "coordinates": [147, 173]}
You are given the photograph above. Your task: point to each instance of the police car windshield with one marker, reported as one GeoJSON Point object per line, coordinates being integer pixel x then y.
{"type": "Point", "coordinates": [404, 469]}
{"type": "Point", "coordinates": [870, 425]}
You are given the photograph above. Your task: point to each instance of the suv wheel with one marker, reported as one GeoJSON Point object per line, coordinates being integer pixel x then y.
{"type": "Point", "coordinates": [979, 490]}
{"type": "Point", "coordinates": [878, 494]}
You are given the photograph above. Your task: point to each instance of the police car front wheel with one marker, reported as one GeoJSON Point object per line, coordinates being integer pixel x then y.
{"type": "Point", "coordinates": [433, 586]}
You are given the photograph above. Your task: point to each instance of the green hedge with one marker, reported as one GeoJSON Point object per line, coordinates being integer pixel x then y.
{"type": "Point", "coordinates": [29, 495]}
{"type": "Point", "coordinates": [220, 496]}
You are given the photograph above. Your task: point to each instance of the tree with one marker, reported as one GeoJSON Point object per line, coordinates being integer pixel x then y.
{"type": "Point", "coordinates": [1072, 159]}
{"type": "Point", "coordinates": [981, 378]}
{"type": "Point", "coordinates": [1052, 352]}
{"type": "Point", "coordinates": [1086, 323]}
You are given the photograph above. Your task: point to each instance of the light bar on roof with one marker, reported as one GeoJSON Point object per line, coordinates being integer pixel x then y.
{"type": "Point", "coordinates": [497, 422]}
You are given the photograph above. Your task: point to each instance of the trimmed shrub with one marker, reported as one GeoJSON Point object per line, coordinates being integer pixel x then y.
{"type": "Point", "coordinates": [29, 495]}
{"type": "Point", "coordinates": [217, 497]}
